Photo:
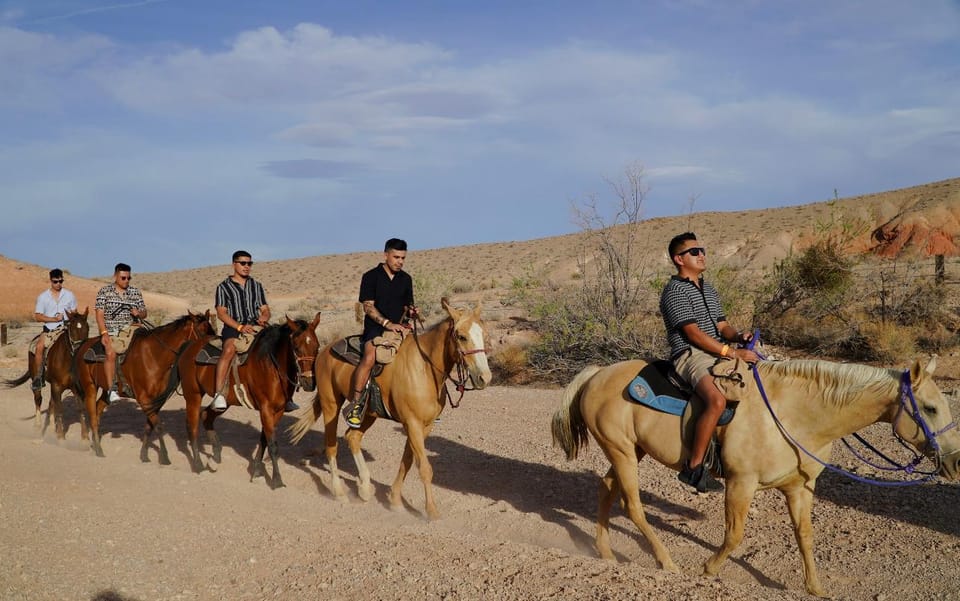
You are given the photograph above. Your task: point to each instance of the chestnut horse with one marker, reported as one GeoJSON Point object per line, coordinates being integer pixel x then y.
{"type": "Point", "coordinates": [413, 388]}
{"type": "Point", "coordinates": [149, 368]}
{"type": "Point", "coordinates": [279, 360]}
{"type": "Point", "coordinates": [815, 403]}
{"type": "Point", "coordinates": [58, 372]}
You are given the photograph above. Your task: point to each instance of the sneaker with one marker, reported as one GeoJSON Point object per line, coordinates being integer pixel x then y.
{"type": "Point", "coordinates": [354, 414]}
{"type": "Point", "coordinates": [113, 396]}
{"type": "Point", "coordinates": [219, 403]}
{"type": "Point", "coordinates": [37, 383]}
{"type": "Point", "coordinates": [291, 406]}
{"type": "Point", "coordinates": [699, 478]}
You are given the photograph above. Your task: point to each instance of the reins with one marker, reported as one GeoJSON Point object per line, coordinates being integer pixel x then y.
{"type": "Point", "coordinates": [906, 393]}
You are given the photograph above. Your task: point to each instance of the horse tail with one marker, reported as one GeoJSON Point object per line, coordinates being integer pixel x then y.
{"type": "Point", "coordinates": [18, 381]}
{"type": "Point", "coordinates": [568, 428]}
{"type": "Point", "coordinates": [303, 424]}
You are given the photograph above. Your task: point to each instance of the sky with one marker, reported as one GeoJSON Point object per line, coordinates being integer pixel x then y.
{"type": "Point", "coordinates": [168, 133]}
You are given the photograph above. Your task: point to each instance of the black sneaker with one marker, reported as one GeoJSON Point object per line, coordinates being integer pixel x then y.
{"type": "Point", "coordinates": [37, 383]}
{"type": "Point", "coordinates": [699, 478]}
{"type": "Point", "coordinates": [291, 406]}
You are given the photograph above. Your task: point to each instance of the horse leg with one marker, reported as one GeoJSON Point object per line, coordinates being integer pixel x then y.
{"type": "Point", "coordinates": [415, 444]}
{"type": "Point", "coordinates": [274, 451]}
{"type": "Point", "coordinates": [396, 489]}
{"type": "Point", "coordinates": [331, 413]}
{"type": "Point", "coordinates": [800, 504]}
{"type": "Point", "coordinates": [624, 466]}
{"type": "Point", "coordinates": [95, 407]}
{"type": "Point", "coordinates": [192, 413]}
{"type": "Point", "coordinates": [214, 440]}
{"type": "Point", "coordinates": [148, 427]}
{"type": "Point", "coordinates": [56, 408]}
{"type": "Point", "coordinates": [257, 469]}
{"type": "Point", "coordinates": [608, 490]}
{"type": "Point", "coordinates": [364, 484]}
{"type": "Point", "coordinates": [739, 494]}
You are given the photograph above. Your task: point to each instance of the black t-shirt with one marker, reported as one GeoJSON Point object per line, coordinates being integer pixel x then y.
{"type": "Point", "coordinates": [389, 296]}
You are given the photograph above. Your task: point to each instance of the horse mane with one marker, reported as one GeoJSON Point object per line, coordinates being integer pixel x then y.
{"type": "Point", "coordinates": [842, 382]}
{"type": "Point", "coordinates": [271, 336]}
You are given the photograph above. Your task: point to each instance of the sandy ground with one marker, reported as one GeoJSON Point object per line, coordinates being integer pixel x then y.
{"type": "Point", "coordinates": [517, 520]}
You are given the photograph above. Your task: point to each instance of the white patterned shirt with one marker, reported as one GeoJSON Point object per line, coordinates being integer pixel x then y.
{"type": "Point", "coordinates": [49, 306]}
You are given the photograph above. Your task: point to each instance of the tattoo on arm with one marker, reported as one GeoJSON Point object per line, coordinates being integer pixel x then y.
{"type": "Point", "coordinates": [372, 312]}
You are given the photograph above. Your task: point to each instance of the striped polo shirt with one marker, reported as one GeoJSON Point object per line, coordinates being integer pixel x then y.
{"type": "Point", "coordinates": [683, 302]}
{"type": "Point", "coordinates": [242, 302]}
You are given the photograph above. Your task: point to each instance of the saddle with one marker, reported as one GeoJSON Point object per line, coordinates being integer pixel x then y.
{"type": "Point", "coordinates": [211, 351]}
{"type": "Point", "coordinates": [95, 353]}
{"type": "Point", "coordinates": [349, 349]}
{"type": "Point", "coordinates": [659, 387]}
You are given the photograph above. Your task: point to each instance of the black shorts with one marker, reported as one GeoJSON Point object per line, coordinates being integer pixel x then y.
{"type": "Point", "coordinates": [227, 332]}
{"type": "Point", "coordinates": [371, 332]}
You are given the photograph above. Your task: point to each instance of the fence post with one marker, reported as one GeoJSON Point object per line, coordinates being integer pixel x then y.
{"type": "Point", "coordinates": [3, 334]}
{"type": "Point", "coordinates": [939, 269]}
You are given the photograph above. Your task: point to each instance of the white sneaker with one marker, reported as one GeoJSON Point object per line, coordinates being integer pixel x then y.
{"type": "Point", "coordinates": [219, 403]}
{"type": "Point", "coordinates": [114, 396]}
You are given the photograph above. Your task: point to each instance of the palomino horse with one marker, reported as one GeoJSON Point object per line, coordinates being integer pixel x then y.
{"type": "Point", "coordinates": [149, 369]}
{"type": "Point", "coordinates": [816, 403]}
{"type": "Point", "coordinates": [279, 360]}
{"type": "Point", "coordinates": [57, 372]}
{"type": "Point", "coordinates": [413, 388]}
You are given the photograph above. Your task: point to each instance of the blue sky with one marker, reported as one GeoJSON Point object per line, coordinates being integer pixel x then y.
{"type": "Point", "coordinates": [168, 133]}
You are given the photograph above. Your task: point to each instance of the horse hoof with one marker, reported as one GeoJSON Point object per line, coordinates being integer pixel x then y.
{"type": "Point", "coordinates": [365, 492]}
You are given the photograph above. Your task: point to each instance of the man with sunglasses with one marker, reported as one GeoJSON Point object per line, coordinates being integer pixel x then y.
{"type": "Point", "coordinates": [241, 304]}
{"type": "Point", "coordinates": [699, 334]}
{"type": "Point", "coordinates": [51, 310]}
{"type": "Point", "coordinates": [119, 308]}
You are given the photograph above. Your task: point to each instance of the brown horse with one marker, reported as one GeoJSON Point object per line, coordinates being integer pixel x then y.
{"type": "Point", "coordinates": [279, 360]}
{"type": "Point", "coordinates": [149, 368]}
{"type": "Point", "coordinates": [816, 402]}
{"type": "Point", "coordinates": [57, 371]}
{"type": "Point", "coordinates": [413, 389]}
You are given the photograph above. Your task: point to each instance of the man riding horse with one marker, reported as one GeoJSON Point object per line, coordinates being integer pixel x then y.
{"type": "Point", "coordinates": [51, 310]}
{"type": "Point", "coordinates": [120, 308]}
{"type": "Point", "coordinates": [386, 292]}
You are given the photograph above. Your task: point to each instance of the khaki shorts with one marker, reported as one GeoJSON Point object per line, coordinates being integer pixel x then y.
{"type": "Point", "coordinates": [694, 366]}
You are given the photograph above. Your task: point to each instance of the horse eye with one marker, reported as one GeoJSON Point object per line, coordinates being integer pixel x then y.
{"type": "Point", "coordinates": [929, 409]}
{"type": "Point", "coordinates": [461, 337]}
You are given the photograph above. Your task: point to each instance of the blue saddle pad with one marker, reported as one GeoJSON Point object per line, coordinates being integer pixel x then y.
{"type": "Point", "coordinates": [642, 392]}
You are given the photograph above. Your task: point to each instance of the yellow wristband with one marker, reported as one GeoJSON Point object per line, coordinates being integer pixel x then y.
{"type": "Point", "coordinates": [103, 332]}
{"type": "Point", "coordinates": [724, 350]}
{"type": "Point", "coordinates": [386, 322]}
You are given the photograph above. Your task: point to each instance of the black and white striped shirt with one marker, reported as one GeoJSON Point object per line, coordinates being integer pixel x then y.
{"type": "Point", "coordinates": [681, 303]}
{"type": "Point", "coordinates": [242, 302]}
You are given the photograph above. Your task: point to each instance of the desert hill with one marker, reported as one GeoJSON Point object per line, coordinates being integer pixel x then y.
{"type": "Point", "coordinates": [907, 221]}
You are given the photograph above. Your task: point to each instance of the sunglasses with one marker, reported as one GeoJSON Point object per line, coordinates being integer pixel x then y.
{"type": "Point", "coordinates": [56, 281]}
{"type": "Point", "coordinates": [696, 251]}
{"type": "Point", "coordinates": [244, 263]}
{"type": "Point", "coordinates": [124, 278]}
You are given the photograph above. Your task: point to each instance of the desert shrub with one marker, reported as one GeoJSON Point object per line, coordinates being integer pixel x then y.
{"type": "Point", "coordinates": [510, 365]}
{"type": "Point", "coordinates": [609, 313]}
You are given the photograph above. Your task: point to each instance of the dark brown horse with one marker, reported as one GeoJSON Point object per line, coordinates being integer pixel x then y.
{"type": "Point", "coordinates": [57, 372]}
{"type": "Point", "coordinates": [413, 389]}
{"type": "Point", "coordinates": [279, 361]}
{"type": "Point", "coordinates": [149, 369]}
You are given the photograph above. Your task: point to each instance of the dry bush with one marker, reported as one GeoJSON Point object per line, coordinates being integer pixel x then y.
{"type": "Point", "coordinates": [510, 365]}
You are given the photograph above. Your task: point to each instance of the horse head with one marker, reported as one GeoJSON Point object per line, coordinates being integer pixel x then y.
{"type": "Point", "coordinates": [78, 329]}
{"type": "Point", "coordinates": [200, 324]}
{"type": "Point", "coordinates": [468, 335]}
{"type": "Point", "coordinates": [929, 425]}
{"type": "Point", "coordinates": [303, 338]}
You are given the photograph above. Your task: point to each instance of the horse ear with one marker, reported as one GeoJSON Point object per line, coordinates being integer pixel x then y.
{"type": "Point", "coordinates": [451, 311]}
{"type": "Point", "coordinates": [290, 322]}
{"type": "Point", "coordinates": [932, 365]}
{"type": "Point", "coordinates": [476, 310]}
{"type": "Point", "coordinates": [86, 310]}
{"type": "Point", "coordinates": [315, 322]}
{"type": "Point", "coordinates": [917, 373]}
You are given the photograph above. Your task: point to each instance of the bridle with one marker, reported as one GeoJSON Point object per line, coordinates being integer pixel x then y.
{"type": "Point", "coordinates": [460, 362]}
